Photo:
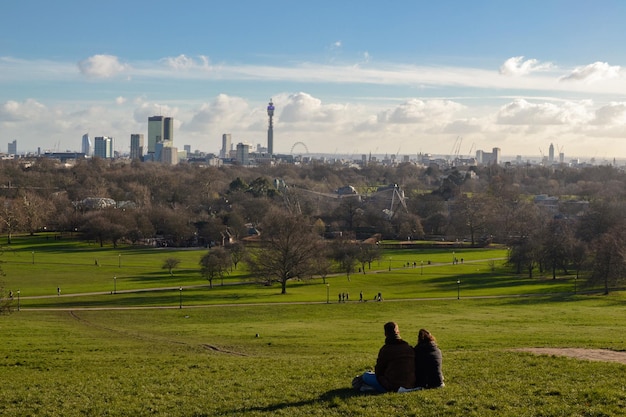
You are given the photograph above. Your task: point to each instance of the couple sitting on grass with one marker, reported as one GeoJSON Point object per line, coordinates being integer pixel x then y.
{"type": "Point", "coordinates": [402, 368]}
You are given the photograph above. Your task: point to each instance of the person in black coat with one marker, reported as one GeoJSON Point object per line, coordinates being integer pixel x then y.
{"type": "Point", "coordinates": [395, 365]}
{"type": "Point", "coordinates": [428, 361]}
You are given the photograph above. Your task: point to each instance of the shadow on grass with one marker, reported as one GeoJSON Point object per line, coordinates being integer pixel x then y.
{"type": "Point", "coordinates": [328, 398]}
{"type": "Point", "coordinates": [537, 299]}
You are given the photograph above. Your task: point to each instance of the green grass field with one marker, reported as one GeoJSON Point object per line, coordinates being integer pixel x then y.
{"type": "Point", "coordinates": [107, 355]}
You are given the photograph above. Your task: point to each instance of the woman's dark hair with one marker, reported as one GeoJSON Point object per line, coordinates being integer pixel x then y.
{"type": "Point", "coordinates": [424, 336]}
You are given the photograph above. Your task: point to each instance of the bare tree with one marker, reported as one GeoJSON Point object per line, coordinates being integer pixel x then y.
{"type": "Point", "coordinates": [9, 217]}
{"type": "Point", "coordinates": [34, 209]}
{"type": "Point", "coordinates": [288, 248]}
{"type": "Point", "coordinates": [322, 263]}
{"type": "Point", "coordinates": [6, 301]}
{"type": "Point", "coordinates": [215, 264]}
{"type": "Point", "coordinates": [609, 263]}
{"type": "Point", "coordinates": [346, 253]}
{"type": "Point", "coordinates": [368, 252]}
{"type": "Point", "coordinates": [558, 244]}
{"type": "Point", "coordinates": [170, 264]}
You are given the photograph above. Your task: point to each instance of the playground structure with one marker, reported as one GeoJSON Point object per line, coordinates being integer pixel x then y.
{"type": "Point", "coordinates": [390, 196]}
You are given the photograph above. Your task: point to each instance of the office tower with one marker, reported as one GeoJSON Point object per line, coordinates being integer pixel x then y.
{"type": "Point", "coordinates": [85, 146]}
{"type": "Point", "coordinates": [187, 149]}
{"type": "Point", "coordinates": [551, 153]}
{"type": "Point", "coordinates": [169, 155]}
{"type": "Point", "coordinates": [226, 145]}
{"type": "Point", "coordinates": [496, 158]}
{"type": "Point", "coordinates": [243, 151]}
{"type": "Point", "coordinates": [270, 128]}
{"type": "Point", "coordinates": [12, 147]}
{"type": "Point", "coordinates": [160, 129]}
{"type": "Point", "coordinates": [103, 147]}
{"type": "Point", "coordinates": [136, 145]}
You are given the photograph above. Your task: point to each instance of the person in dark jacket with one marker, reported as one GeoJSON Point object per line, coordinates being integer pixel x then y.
{"type": "Point", "coordinates": [395, 365]}
{"type": "Point", "coordinates": [428, 361]}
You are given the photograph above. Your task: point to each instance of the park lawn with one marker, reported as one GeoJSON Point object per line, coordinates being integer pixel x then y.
{"type": "Point", "coordinates": [133, 276]}
{"type": "Point", "coordinates": [208, 361]}
{"type": "Point", "coordinates": [38, 267]}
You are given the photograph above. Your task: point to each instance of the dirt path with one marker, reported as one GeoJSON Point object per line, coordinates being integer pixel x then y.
{"type": "Point", "coordinates": [579, 353]}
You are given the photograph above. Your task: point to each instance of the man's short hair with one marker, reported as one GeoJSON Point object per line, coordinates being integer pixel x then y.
{"type": "Point", "coordinates": [391, 329]}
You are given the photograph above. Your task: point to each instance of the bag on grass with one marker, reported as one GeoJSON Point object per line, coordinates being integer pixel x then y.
{"type": "Point", "coordinates": [357, 382]}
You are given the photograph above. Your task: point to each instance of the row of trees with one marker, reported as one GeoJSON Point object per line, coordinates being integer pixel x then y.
{"type": "Point", "coordinates": [290, 248]}
{"type": "Point", "coordinates": [190, 205]}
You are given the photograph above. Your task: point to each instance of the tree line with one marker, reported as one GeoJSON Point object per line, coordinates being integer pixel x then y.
{"type": "Point", "coordinates": [580, 231]}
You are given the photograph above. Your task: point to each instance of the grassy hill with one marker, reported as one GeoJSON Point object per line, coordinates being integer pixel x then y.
{"type": "Point", "coordinates": [137, 353]}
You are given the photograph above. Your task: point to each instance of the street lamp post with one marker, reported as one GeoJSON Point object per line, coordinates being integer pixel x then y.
{"type": "Point", "coordinates": [458, 289]}
{"type": "Point", "coordinates": [180, 291]}
{"type": "Point", "coordinates": [390, 263]}
{"type": "Point", "coordinates": [114, 285]}
{"type": "Point", "coordinates": [18, 300]}
{"type": "Point", "coordinates": [327, 293]}
{"type": "Point", "coordinates": [119, 260]}
{"type": "Point", "coordinates": [33, 257]}
{"type": "Point", "coordinates": [453, 258]}
{"type": "Point", "coordinates": [422, 265]}
{"type": "Point", "coordinates": [575, 289]}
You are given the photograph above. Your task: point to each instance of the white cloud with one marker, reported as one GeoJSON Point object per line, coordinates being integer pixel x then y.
{"type": "Point", "coordinates": [611, 115]}
{"type": "Point", "coordinates": [223, 114]}
{"type": "Point", "coordinates": [101, 66]}
{"type": "Point", "coordinates": [13, 111]}
{"type": "Point", "coordinates": [522, 112]}
{"type": "Point", "coordinates": [597, 71]}
{"type": "Point", "coordinates": [147, 109]}
{"type": "Point", "coordinates": [518, 66]}
{"type": "Point", "coordinates": [303, 107]}
{"type": "Point", "coordinates": [419, 111]}
{"type": "Point", "coordinates": [183, 62]}
{"type": "Point", "coordinates": [120, 100]}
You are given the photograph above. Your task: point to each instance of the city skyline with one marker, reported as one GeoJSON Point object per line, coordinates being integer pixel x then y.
{"type": "Point", "coordinates": [410, 78]}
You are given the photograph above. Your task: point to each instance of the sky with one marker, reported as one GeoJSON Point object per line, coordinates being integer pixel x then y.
{"type": "Point", "coordinates": [399, 77]}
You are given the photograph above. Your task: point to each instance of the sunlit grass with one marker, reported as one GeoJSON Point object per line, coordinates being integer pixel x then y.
{"type": "Point", "coordinates": [209, 361]}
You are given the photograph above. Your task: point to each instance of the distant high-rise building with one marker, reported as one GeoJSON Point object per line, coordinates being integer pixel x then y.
{"type": "Point", "coordinates": [103, 147]}
{"type": "Point", "coordinates": [160, 129]}
{"type": "Point", "coordinates": [551, 153]}
{"type": "Point", "coordinates": [187, 149]}
{"type": "Point", "coordinates": [270, 128]}
{"type": "Point", "coordinates": [136, 145]}
{"type": "Point", "coordinates": [85, 145]}
{"type": "Point", "coordinates": [169, 155]}
{"type": "Point", "coordinates": [12, 147]}
{"type": "Point", "coordinates": [243, 151]}
{"type": "Point", "coordinates": [488, 158]}
{"type": "Point", "coordinates": [226, 145]}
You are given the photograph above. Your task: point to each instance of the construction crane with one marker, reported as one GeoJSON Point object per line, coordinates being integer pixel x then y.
{"type": "Point", "coordinates": [456, 148]}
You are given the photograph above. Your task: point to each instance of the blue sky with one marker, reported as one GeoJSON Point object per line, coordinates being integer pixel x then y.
{"type": "Point", "coordinates": [346, 77]}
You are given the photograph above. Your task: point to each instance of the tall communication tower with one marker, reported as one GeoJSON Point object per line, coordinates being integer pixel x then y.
{"type": "Point", "coordinates": [270, 128]}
